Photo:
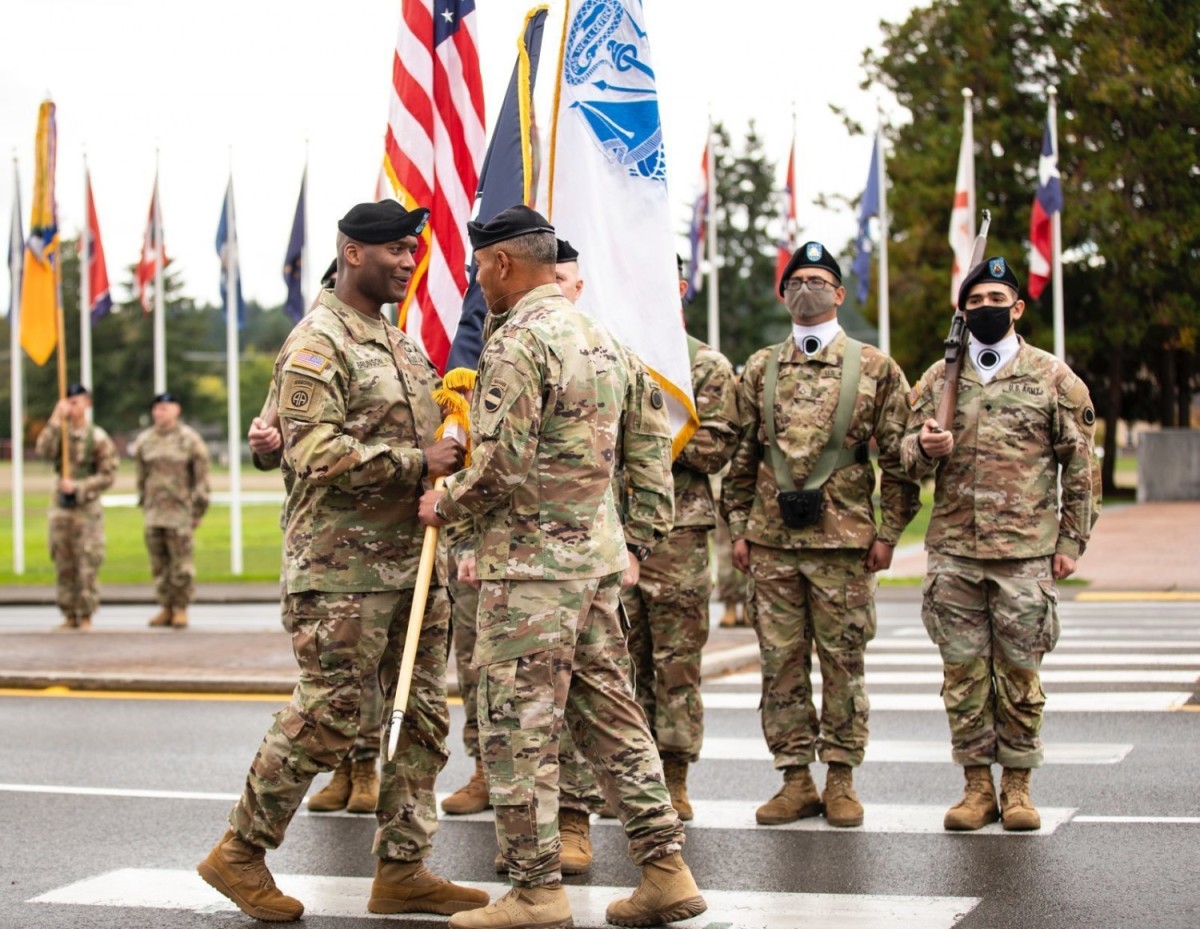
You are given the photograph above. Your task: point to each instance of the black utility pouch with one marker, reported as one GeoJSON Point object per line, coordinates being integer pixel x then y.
{"type": "Point", "coordinates": [68, 501]}
{"type": "Point", "coordinates": [801, 508]}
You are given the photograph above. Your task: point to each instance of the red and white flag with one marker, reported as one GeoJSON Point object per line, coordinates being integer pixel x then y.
{"type": "Point", "coordinates": [787, 217]}
{"type": "Point", "coordinates": [97, 271]}
{"type": "Point", "coordinates": [154, 254]}
{"type": "Point", "coordinates": [433, 152]}
{"type": "Point", "coordinates": [1046, 203]}
{"type": "Point", "coordinates": [962, 216]}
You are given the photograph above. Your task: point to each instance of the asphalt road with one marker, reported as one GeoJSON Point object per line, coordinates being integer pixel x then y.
{"type": "Point", "coordinates": [107, 804]}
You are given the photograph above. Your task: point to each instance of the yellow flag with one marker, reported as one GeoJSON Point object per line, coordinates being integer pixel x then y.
{"type": "Point", "coordinates": [39, 286]}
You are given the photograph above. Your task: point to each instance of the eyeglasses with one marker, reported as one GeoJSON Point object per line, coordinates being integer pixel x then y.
{"type": "Point", "coordinates": [814, 283]}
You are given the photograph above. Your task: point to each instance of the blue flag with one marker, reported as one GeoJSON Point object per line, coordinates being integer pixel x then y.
{"type": "Point", "coordinates": [227, 250]}
{"type": "Point", "coordinates": [868, 208]}
{"type": "Point", "coordinates": [293, 261]}
{"type": "Point", "coordinates": [505, 180]}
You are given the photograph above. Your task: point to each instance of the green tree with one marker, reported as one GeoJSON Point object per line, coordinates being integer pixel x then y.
{"type": "Point", "coordinates": [747, 233]}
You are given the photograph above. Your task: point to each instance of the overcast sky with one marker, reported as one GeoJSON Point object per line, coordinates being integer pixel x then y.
{"type": "Point", "coordinates": [251, 82]}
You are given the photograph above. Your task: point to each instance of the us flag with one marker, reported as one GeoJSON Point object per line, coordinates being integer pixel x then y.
{"type": "Point", "coordinates": [433, 152]}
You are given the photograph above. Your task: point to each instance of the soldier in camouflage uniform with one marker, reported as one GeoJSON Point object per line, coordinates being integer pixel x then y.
{"type": "Point", "coordinates": [172, 480]}
{"type": "Point", "coordinates": [546, 426]}
{"type": "Point", "coordinates": [76, 519]}
{"type": "Point", "coordinates": [815, 582]}
{"type": "Point", "coordinates": [354, 786]}
{"type": "Point", "coordinates": [999, 537]}
{"type": "Point", "coordinates": [357, 418]}
{"type": "Point", "coordinates": [668, 607]}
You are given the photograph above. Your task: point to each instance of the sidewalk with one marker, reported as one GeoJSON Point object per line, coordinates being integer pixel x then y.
{"type": "Point", "coordinates": [1145, 550]}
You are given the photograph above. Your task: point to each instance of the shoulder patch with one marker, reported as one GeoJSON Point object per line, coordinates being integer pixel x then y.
{"type": "Point", "coordinates": [914, 395]}
{"type": "Point", "coordinates": [656, 398]}
{"type": "Point", "coordinates": [1089, 416]}
{"type": "Point", "coordinates": [308, 360]}
{"type": "Point", "coordinates": [493, 398]}
{"type": "Point", "coordinates": [297, 394]}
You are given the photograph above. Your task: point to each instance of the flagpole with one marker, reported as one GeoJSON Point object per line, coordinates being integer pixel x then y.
{"type": "Point", "coordinates": [160, 322]}
{"type": "Point", "coordinates": [232, 387]}
{"type": "Point", "coordinates": [304, 269]}
{"type": "Point", "coordinates": [710, 222]}
{"type": "Point", "coordinates": [16, 382]}
{"type": "Point", "coordinates": [885, 320]}
{"type": "Point", "coordinates": [1060, 338]}
{"type": "Point", "coordinates": [85, 283]}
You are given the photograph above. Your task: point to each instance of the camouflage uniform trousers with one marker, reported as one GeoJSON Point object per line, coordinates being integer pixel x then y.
{"type": "Point", "coordinates": [993, 620]}
{"type": "Point", "coordinates": [559, 655]}
{"type": "Point", "coordinates": [802, 596]}
{"type": "Point", "coordinates": [338, 638]}
{"type": "Point", "coordinates": [172, 564]}
{"type": "Point", "coordinates": [578, 788]}
{"type": "Point", "coordinates": [368, 737]}
{"type": "Point", "coordinates": [668, 618]}
{"type": "Point", "coordinates": [77, 549]}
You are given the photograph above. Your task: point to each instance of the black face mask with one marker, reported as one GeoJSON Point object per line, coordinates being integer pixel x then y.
{"type": "Point", "coordinates": [990, 324]}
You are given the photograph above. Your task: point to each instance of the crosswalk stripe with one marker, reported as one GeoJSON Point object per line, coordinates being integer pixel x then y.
{"type": "Point", "coordinates": [1055, 659]}
{"type": "Point", "coordinates": [1120, 701]}
{"type": "Point", "coordinates": [1069, 645]}
{"type": "Point", "coordinates": [1049, 676]}
{"type": "Point", "coordinates": [117, 792]}
{"type": "Point", "coordinates": [903, 752]}
{"type": "Point", "coordinates": [346, 897]}
{"type": "Point", "coordinates": [910, 819]}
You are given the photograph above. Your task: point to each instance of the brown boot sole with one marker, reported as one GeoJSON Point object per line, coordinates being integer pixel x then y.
{"type": "Point", "coordinates": [685, 909]}
{"type": "Point", "coordinates": [805, 812]}
{"type": "Point", "coordinates": [949, 826]}
{"type": "Point", "coordinates": [569, 868]}
{"type": "Point", "coordinates": [388, 906]}
{"type": "Point", "coordinates": [361, 807]}
{"type": "Point", "coordinates": [1015, 824]}
{"type": "Point", "coordinates": [323, 807]}
{"type": "Point", "coordinates": [213, 878]}
{"type": "Point", "coordinates": [456, 809]}
{"type": "Point", "coordinates": [845, 822]}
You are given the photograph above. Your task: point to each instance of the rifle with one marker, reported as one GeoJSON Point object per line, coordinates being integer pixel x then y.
{"type": "Point", "coordinates": [956, 339]}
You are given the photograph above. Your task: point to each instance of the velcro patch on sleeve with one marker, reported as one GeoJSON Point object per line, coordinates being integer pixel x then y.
{"type": "Point", "coordinates": [914, 395]}
{"type": "Point", "coordinates": [296, 395]}
{"type": "Point", "coordinates": [308, 360]}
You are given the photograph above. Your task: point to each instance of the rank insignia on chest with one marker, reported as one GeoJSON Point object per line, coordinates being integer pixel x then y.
{"type": "Point", "coordinates": [308, 360]}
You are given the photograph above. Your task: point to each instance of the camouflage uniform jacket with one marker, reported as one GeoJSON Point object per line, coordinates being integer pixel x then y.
{"type": "Point", "coordinates": [643, 481]}
{"type": "Point", "coordinates": [714, 387]}
{"type": "Point", "coordinates": [355, 408]}
{"type": "Point", "coordinates": [996, 495]}
{"type": "Point", "coordinates": [172, 476]}
{"type": "Point", "coordinates": [806, 399]}
{"type": "Point", "coordinates": [546, 438]}
{"type": "Point", "coordinates": [93, 462]}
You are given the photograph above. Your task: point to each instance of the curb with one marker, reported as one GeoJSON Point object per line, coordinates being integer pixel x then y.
{"type": "Point", "coordinates": [713, 664]}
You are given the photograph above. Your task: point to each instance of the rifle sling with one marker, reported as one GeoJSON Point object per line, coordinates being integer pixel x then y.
{"type": "Point", "coordinates": [833, 456]}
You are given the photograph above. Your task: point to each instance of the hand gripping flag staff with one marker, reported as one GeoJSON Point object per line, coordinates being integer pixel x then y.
{"type": "Point", "coordinates": [956, 339]}
{"type": "Point", "coordinates": [454, 397]}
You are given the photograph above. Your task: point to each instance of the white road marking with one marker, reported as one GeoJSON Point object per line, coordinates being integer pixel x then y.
{"type": "Point", "coordinates": [1120, 701]}
{"type": "Point", "coordinates": [117, 792]}
{"type": "Point", "coordinates": [347, 897]}
{"type": "Point", "coordinates": [1072, 645]}
{"type": "Point", "coordinates": [1152, 820]}
{"type": "Point", "coordinates": [1049, 676]}
{"type": "Point", "coordinates": [755, 749]}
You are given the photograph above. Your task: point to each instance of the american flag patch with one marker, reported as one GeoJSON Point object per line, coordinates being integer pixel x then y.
{"type": "Point", "coordinates": [308, 360]}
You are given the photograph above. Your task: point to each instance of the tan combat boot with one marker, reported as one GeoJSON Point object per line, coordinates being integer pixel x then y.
{"type": "Point", "coordinates": [364, 787]}
{"type": "Point", "coordinates": [666, 894]}
{"type": "Point", "coordinates": [1016, 809]}
{"type": "Point", "coordinates": [675, 770]}
{"type": "Point", "coordinates": [334, 795]}
{"type": "Point", "coordinates": [977, 807]}
{"type": "Point", "coordinates": [544, 907]}
{"type": "Point", "coordinates": [161, 618]}
{"type": "Point", "coordinates": [239, 870]}
{"type": "Point", "coordinates": [409, 887]}
{"type": "Point", "coordinates": [729, 618]}
{"type": "Point", "coordinates": [797, 799]}
{"type": "Point", "coordinates": [69, 622]}
{"type": "Point", "coordinates": [575, 830]}
{"type": "Point", "coordinates": [842, 808]}
{"type": "Point", "coordinates": [83, 622]}
{"type": "Point", "coordinates": [472, 797]}
{"type": "Point", "coordinates": [179, 618]}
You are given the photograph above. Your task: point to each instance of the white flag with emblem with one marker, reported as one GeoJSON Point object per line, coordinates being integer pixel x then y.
{"type": "Point", "coordinates": [608, 192]}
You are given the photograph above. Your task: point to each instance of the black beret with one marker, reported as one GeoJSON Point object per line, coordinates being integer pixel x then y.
{"type": "Point", "coordinates": [513, 222]}
{"type": "Point", "coordinates": [990, 269]}
{"type": "Point", "coordinates": [810, 255]}
{"type": "Point", "coordinates": [566, 252]}
{"type": "Point", "coordinates": [330, 274]}
{"type": "Point", "coordinates": [74, 390]}
{"type": "Point", "coordinates": [385, 221]}
{"type": "Point", "coordinates": [165, 397]}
